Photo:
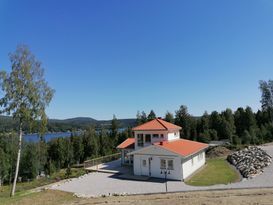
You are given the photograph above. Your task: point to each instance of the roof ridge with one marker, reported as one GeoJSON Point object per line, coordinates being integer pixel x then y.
{"type": "Point", "coordinates": [162, 123]}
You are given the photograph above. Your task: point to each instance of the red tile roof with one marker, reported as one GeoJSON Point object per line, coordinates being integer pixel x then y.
{"type": "Point", "coordinates": [127, 144]}
{"type": "Point", "coordinates": [182, 147]}
{"type": "Point", "coordinates": [156, 124]}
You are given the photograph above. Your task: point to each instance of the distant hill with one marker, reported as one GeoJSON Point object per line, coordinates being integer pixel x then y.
{"type": "Point", "coordinates": [122, 122]}
{"type": "Point", "coordinates": [75, 121]}
{"type": "Point", "coordinates": [92, 121]}
{"type": "Point", "coordinates": [56, 125]}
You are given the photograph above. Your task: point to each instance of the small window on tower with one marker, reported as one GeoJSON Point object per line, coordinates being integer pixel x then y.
{"type": "Point", "coordinates": [155, 136]}
{"type": "Point", "coordinates": [148, 138]}
{"type": "Point", "coordinates": [140, 140]}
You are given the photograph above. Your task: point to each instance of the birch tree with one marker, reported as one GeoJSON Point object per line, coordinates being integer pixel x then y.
{"type": "Point", "coordinates": [26, 95]}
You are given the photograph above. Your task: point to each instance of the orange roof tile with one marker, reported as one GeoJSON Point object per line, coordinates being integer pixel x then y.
{"type": "Point", "coordinates": [156, 124]}
{"type": "Point", "coordinates": [182, 147]}
{"type": "Point", "coordinates": [128, 143]}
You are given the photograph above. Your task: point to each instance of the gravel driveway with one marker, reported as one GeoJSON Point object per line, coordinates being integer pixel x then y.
{"type": "Point", "coordinates": [97, 184]}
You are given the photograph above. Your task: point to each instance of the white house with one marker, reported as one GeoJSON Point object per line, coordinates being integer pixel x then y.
{"type": "Point", "coordinates": [157, 151]}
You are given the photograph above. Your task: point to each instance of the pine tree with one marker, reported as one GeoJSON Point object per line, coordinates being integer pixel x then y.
{"type": "Point", "coordinates": [267, 97]}
{"type": "Point", "coordinates": [183, 119]}
{"type": "Point", "coordinates": [143, 117]}
{"type": "Point", "coordinates": [151, 116]}
{"type": "Point", "coordinates": [138, 118]}
{"type": "Point", "coordinates": [114, 131]}
{"type": "Point", "coordinates": [246, 138]}
{"type": "Point", "coordinates": [169, 117]}
{"type": "Point", "coordinates": [215, 122]}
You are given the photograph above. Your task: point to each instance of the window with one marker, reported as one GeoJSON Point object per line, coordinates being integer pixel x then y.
{"type": "Point", "coordinates": [161, 135]}
{"type": "Point", "coordinates": [155, 136]}
{"type": "Point", "coordinates": [148, 138]}
{"type": "Point", "coordinates": [162, 164]}
{"type": "Point", "coordinates": [166, 164]}
{"type": "Point", "coordinates": [140, 140]}
{"type": "Point", "coordinates": [170, 164]}
{"type": "Point", "coordinates": [144, 163]}
{"type": "Point", "coordinates": [192, 162]}
{"type": "Point", "coordinates": [175, 133]}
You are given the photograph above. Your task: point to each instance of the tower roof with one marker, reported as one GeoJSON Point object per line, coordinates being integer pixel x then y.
{"type": "Point", "coordinates": [157, 124]}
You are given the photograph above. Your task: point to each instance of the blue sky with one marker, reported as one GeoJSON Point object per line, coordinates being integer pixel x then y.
{"type": "Point", "coordinates": [117, 57]}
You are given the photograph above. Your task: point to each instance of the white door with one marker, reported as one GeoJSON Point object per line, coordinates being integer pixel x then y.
{"type": "Point", "coordinates": [144, 165]}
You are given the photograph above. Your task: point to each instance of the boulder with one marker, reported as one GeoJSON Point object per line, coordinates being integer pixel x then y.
{"type": "Point", "coordinates": [250, 161]}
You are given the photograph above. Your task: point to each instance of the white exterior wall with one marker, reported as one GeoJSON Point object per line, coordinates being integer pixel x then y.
{"type": "Point", "coordinates": [153, 140]}
{"type": "Point", "coordinates": [189, 166]}
{"type": "Point", "coordinates": [183, 167]}
{"type": "Point", "coordinates": [155, 170]}
{"type": "Point", "coordinates": [173, 135]}
{"type": "Point", "coordinates": [174, 174]}
{"type": "Point", "coordinates": [167, 136]}
{"type": "Point", "coordinates": [137, 164]}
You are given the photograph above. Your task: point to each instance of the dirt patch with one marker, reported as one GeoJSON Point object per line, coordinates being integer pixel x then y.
{"type": "Point", "coordinates": [47, 197]}
{"type": "Point", "coordinates": [218, 151]}
{"type": "Point", "coordinates": [225, 197]}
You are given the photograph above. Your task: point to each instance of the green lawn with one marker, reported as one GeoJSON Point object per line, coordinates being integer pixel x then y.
{"type": "Point", "coordinates": [216, 171]}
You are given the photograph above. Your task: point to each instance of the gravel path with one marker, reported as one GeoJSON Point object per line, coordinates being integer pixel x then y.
{"type": "Point", "coordinates": [97, 184]}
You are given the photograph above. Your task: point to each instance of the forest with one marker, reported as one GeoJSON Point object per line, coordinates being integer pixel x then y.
{"type": "Point", "coordinates": [241, 127]}
{"type": "Point", "coordinates": [49, 157]}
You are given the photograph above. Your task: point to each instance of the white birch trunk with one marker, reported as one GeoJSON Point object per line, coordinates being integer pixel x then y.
{"type": "Point", "coordinates": [17, 162]}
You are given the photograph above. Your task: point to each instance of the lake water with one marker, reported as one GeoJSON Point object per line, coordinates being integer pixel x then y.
{"type": "Point", "coordinates": [47, 136]}
{"type": "Point", "coordinates": [50, 136]}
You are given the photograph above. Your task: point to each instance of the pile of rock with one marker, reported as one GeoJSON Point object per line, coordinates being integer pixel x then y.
{"type": "Point", "coordinates": [250, 161]}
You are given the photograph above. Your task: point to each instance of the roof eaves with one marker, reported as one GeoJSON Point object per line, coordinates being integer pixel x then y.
{"type": "Point", "coordinates": [185, 156]}
{"type": "Point", "coordinates": [151, 130]}
{"type": "Point", "coordinates": [196, 152]}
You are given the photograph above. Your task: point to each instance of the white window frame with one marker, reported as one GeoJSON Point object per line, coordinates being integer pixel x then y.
{"type": "Point", "coordinates": [166, 164]}
{"type": "Point", "coordinates": [172, 164]}
{"type": "Point", "coordinates": [163, 164]}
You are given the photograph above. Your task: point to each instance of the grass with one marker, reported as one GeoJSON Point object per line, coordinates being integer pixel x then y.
{"type": "Point", "coordinates": [75, 172]}
{"type": "Point", "coordinates": [216, 171]}
{"type": "Point", "coordinates": [23, 189]}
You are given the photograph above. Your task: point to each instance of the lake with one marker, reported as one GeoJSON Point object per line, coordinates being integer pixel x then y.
{"type": "Point", "coordinates": [47, 136]}
{"type": "Point", "coordinates": [50, 136]}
